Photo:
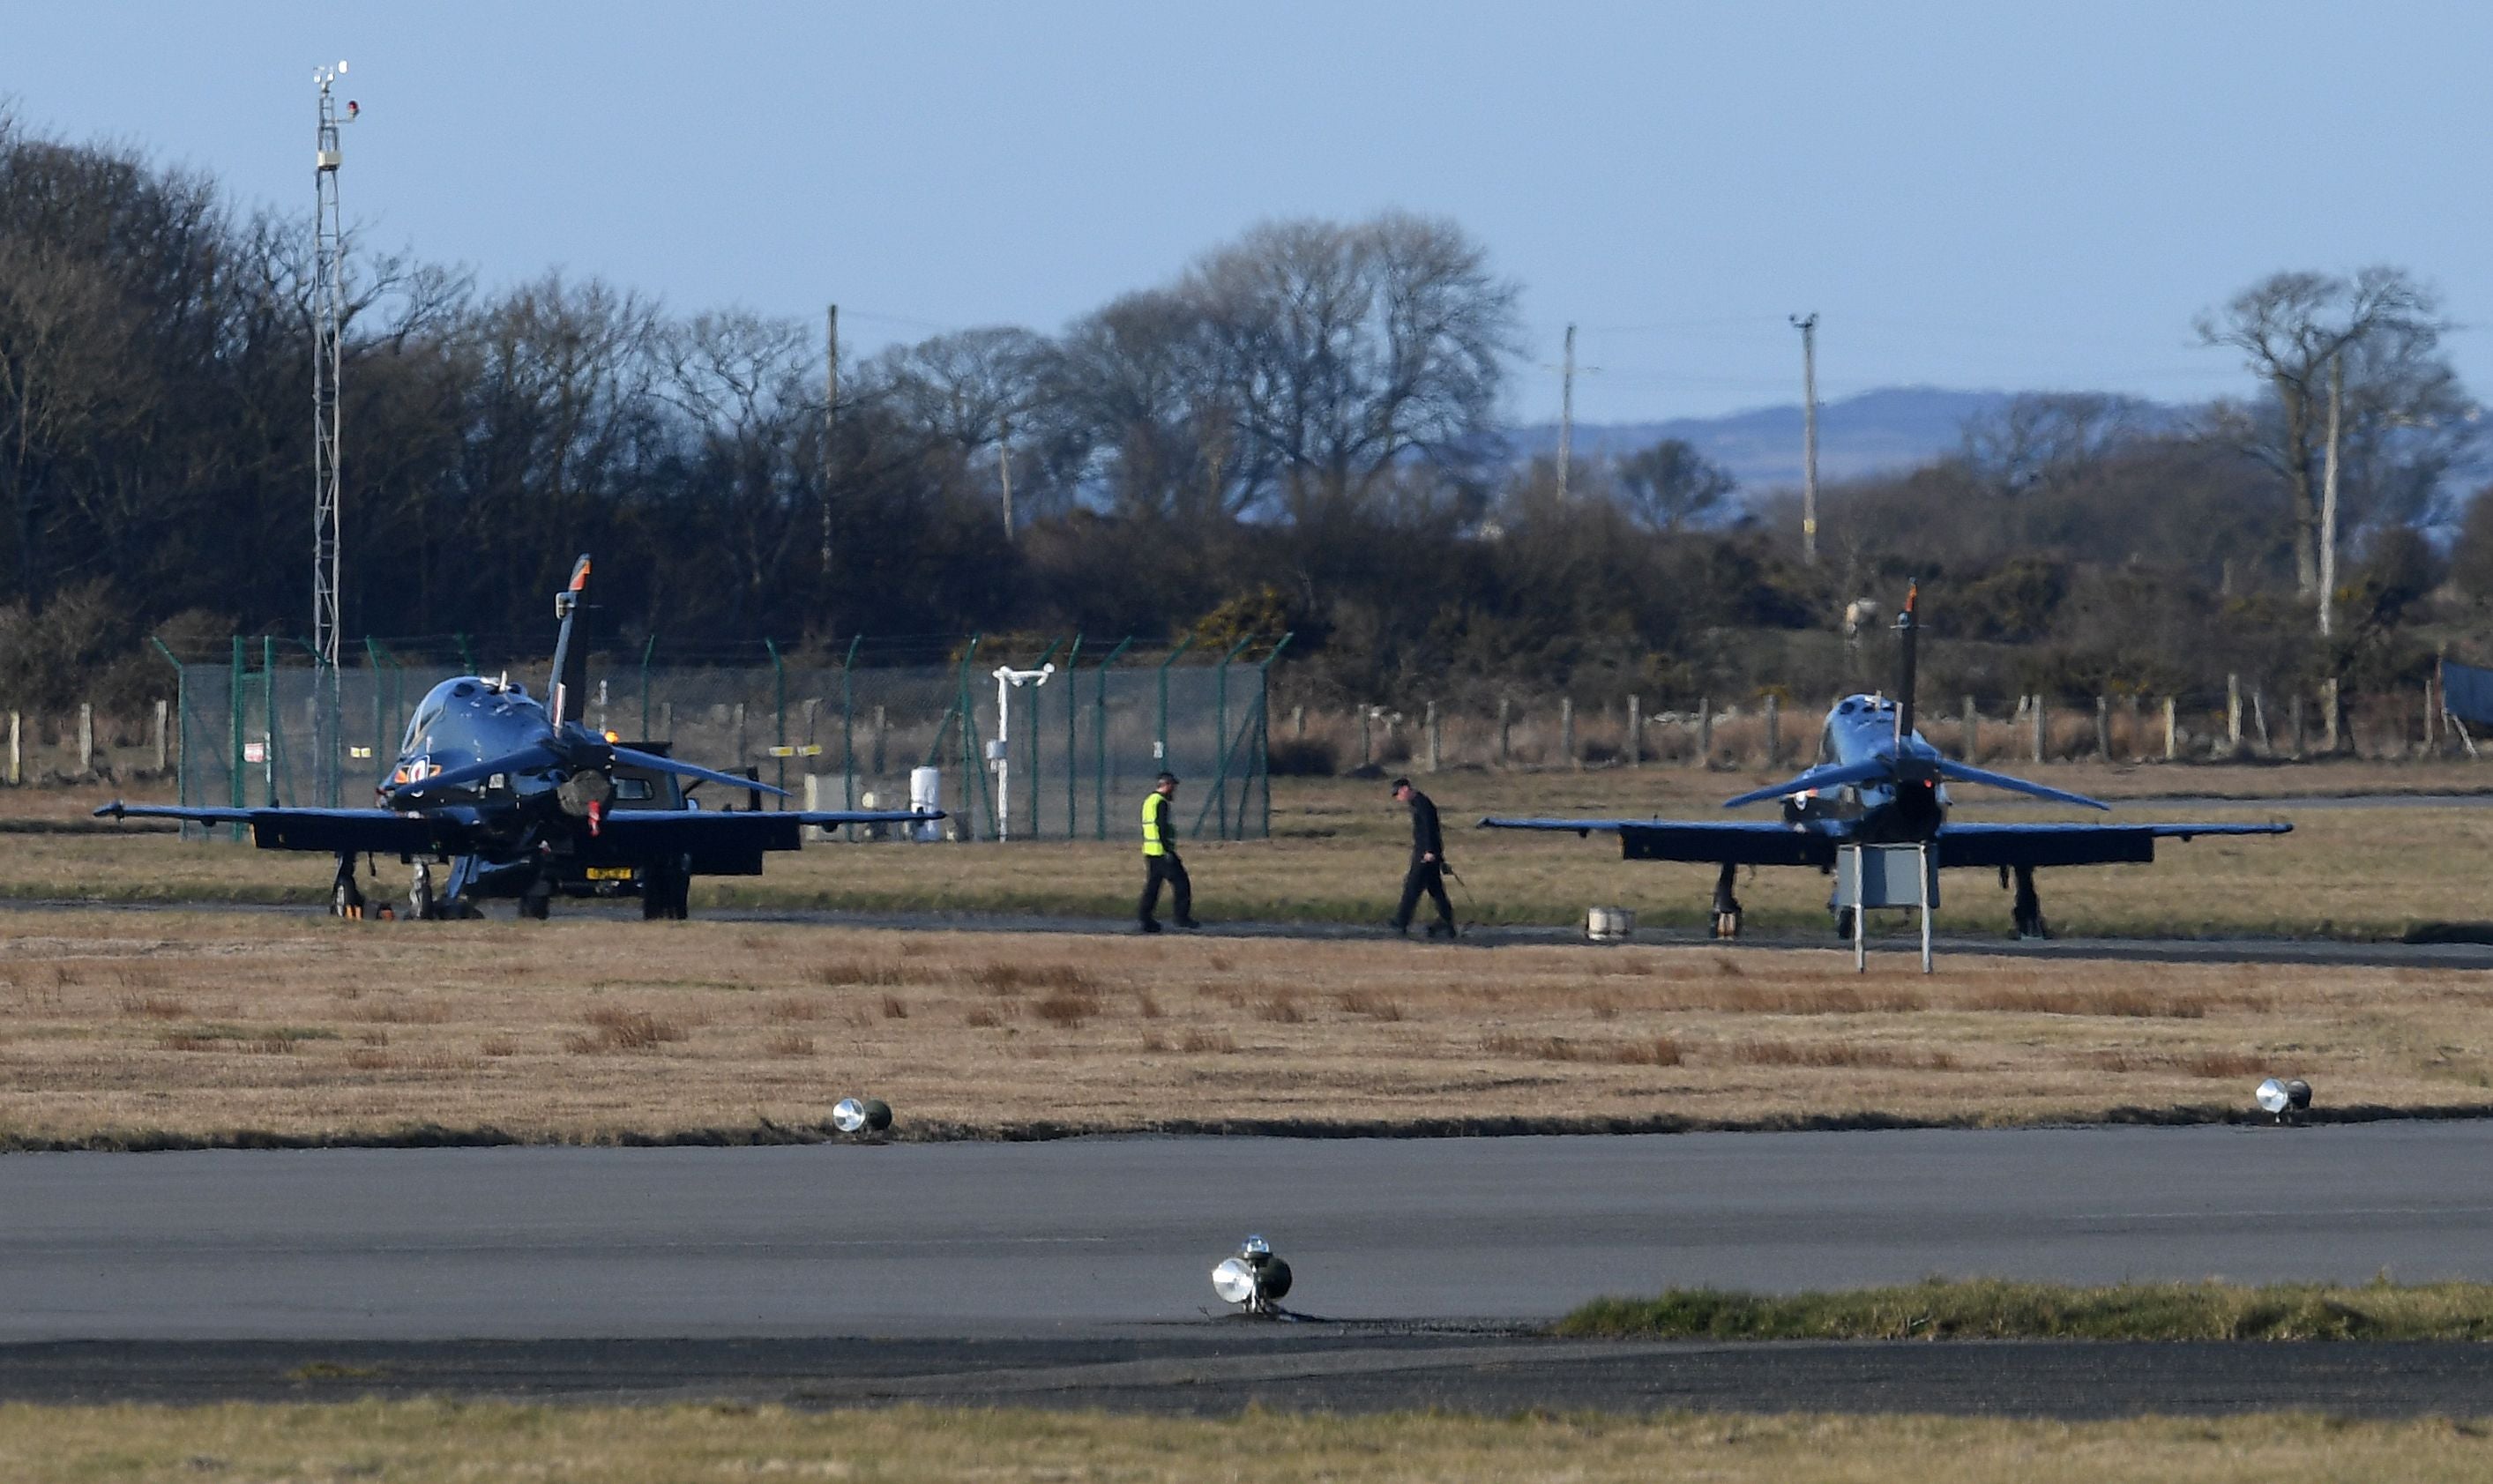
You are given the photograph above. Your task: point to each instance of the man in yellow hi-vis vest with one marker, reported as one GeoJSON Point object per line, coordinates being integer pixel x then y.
{"type": "Point", "coordinates": [1159, 857]}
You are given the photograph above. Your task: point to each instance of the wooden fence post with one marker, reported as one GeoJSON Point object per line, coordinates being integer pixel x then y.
{"type": "Point", "coordinates": [1774, 730]}
{"type": "Point", "coordinates": [666, 721]}
{"type": "Point", "coordinates": [2041, 725]}
{"type": "Point", "coordinates": [2172, 732]}
{"type": "Point", "coordinates": [1972, 732]}
{"type": "Point", "coordinates": [2134, 747]}
{"type": "Point", "coordinates": [1298, 723]}
{"type": "Point", "coordinates": [2103, 727]}
{"type": "Point", "coordinates": [87, 740]}
{"type": "Point", "coordinates": [2294, 724]}
{"type": "Point", "coordinates": [2233, 713]}
{"type": "Point", "coordinates": [161, 754]}
{"type": "Point", "coordinates": [16, 748]}
{"type": "Point", "coordinates": [1704, 753]}
{"type": "Point", "coordinates": [1367, 736]}
{"type": "Point", "coordinates": [882, 721]}
{"type": "Point", "coordinates": [1636, 731]}
{"type": "Point", "coordinates": [1436, 738]}
{"type": "Point", "coordinates": [1566, 730]}
{"type": "Point", "coordinates": [2330, 721]}
{"type": "Point", "coordinates": [1505, 731]}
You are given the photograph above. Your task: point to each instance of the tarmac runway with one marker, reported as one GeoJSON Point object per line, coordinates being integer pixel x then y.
{"type": "Point", "coordinates": [1077, 1271]}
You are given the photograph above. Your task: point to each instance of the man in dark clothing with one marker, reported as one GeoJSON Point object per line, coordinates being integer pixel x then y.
{"type": "Point", "coordinates": [1427, 872]}
{"type": "Point", "coordinates": [1160, 862]}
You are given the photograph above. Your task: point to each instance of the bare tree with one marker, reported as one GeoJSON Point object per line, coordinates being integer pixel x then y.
{"type": "Point", "coordinates": [2385, 327]}
{"type": "Point", "coordinates": [1345, 350]}
{"type": "Point", "coordinates": [1671, 485]}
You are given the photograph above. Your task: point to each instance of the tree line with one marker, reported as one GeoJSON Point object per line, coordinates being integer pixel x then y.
{"type": "Point", "coordinates": [1301, 430]}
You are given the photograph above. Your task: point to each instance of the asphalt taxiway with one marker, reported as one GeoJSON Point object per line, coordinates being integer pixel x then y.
{"type": "Point", "coordinates": [1077, 1271]}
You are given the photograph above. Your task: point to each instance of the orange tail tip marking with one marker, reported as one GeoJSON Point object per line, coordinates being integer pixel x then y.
{"type": "Point", "coordinates": [580, 575]}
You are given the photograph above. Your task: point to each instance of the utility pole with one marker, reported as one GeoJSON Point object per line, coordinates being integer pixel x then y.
{"type": "Point", "coordinates": [830, 421]}
{"type": "Point", "coordinates": [1566, 412]}
{"type": "Point", "coordinates": [1003, 467]}
{"type": "Point", "coordinates": [1807, 324]}
{"type": "Point", "coordinates": [2329, 499]}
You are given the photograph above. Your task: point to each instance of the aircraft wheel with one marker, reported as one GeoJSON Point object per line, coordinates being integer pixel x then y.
{"type": "Point", "coordinates": [344, 901]}
{"type": "Point", "coordinates": [1844, 923]}
{"type": "Point", "coordinates": [536, 905]}
{"type": "Point", "coordinates": [420, 902]}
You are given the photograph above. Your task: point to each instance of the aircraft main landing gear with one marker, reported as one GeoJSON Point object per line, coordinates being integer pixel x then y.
{"type": "Point", "coordinates": [420, 902]}
{"type": "Point", "coordinates": [666, 891]}
{"type": "Point", "coordinates": [345, 899]}
{"type": "Point", "coordinates": [2028, 908]}
{"type": "Point", "coordinates": [1726, 907]}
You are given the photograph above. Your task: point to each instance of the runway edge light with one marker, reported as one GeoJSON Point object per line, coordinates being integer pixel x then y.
{"type": "Point", "coordinates": [868, 1115]}
{"type": "Point", "coordinates": [2281, 1096]}
{"type": "Point", "coordinates": [1254, 1279]}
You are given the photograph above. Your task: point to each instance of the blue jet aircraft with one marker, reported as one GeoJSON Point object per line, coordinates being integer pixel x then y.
{"type": "Point", "coordinates": [1883, 785]}
{"type": "Point", "coordinates": [518, 799]}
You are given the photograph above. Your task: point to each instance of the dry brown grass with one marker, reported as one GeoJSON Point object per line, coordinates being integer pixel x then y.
{"type": "Point", "coordinates": [1337, 856]}
{"type": "Point", "coordinates": [440, 1442]}
{"type": "Point", "coordinates": [589, 1029]}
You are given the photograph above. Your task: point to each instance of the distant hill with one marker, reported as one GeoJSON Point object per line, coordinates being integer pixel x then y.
{"type": "Point", "coordinates": [1896, 427]}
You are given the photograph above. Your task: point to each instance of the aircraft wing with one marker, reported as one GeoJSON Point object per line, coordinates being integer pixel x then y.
{"type": "Point", "coordinates": [337, 831]}
{"type": "Point", "coordinates": [698, 831]}
{"type": "Point", "coordinates": [1741, 842]}
{"type": "Point", "coordinates": [2072, 845]}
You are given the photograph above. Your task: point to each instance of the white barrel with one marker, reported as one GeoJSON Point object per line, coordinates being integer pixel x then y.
{"type": "Point", "coordinates": [926, 792]}
{"type": "Point", "coordinates": [1610, 924]}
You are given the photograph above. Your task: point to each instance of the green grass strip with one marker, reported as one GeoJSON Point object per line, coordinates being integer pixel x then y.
{"type": "Point", "coordinates": [1995, 1309]}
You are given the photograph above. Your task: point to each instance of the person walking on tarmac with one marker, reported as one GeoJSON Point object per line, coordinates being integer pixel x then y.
{"type": "Point", "coordinates": [1161, 861]}
{"type": "Point", "coordinates": [1427, 872]}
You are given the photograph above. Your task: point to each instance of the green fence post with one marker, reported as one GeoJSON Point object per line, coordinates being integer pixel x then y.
{"type": "Point", "coordinates": [1100, 735]}
{"type": "Point", "coordinates": [1221, 743]}
{"type": "Point", "coordinates": [181, 725]}
{"type": "Point", "coordinates": [1264, 733]}
{"type": "Point", "coordinates": [1040, 662]}
{"type": "Point", "coordinates": [233, 720]}
{"type": "Point", "coordinates": [647, 650]}
{"type": "Point", "coordinates": [1160, 747]}
{"type": "Point", "coordinates": [779, 691]}
{"type": "Point", "coordinates": [847, 729]}
{"type": "Point", "coordinates": [373, 656]}
{"type": "Point", "coordinates": [1072, 743]}
{"type": "Point", "coordinates": [268, 698]}
{"type": "Point", "coordinates": [974, 768]}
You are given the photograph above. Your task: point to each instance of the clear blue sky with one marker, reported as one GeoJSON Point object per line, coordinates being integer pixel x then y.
{"type": "Point", "coordinates": [1980, 195]}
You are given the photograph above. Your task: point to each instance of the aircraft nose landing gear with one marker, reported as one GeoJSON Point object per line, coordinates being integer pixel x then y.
{"type": "Point", "coordinates": [1726, 907]}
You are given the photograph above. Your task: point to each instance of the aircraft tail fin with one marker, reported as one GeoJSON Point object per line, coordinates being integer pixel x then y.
{"type": "Point", "coordinates": [1908, 632]}
{"type": "Point", "coordinates": [567, 695]}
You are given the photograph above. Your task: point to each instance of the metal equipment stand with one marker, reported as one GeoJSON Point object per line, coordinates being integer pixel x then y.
{"type": "Point", "coordinates": [1868, 876]}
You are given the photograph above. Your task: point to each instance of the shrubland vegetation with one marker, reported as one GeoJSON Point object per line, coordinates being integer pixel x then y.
{"type": "Point", "coordinates": [1298, 431]}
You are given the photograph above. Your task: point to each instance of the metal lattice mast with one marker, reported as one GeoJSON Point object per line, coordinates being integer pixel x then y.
{"type": "Point", "coordinates": [328, 314]}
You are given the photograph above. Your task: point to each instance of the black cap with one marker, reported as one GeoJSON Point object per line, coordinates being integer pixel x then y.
{"type": "Point", "coordinates": [1399, 785]}
{"type": "Point", "coordinates": [1164, 777]}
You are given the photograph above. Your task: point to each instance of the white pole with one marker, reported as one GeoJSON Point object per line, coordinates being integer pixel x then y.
{"type": "Point", "coordinates": [1922, 859]}
{"type": "Point", "coordinates": [1007, 680]}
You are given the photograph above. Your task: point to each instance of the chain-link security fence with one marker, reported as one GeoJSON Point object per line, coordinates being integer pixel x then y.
{"type": "Point", "coordinates": [1069, 757]}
